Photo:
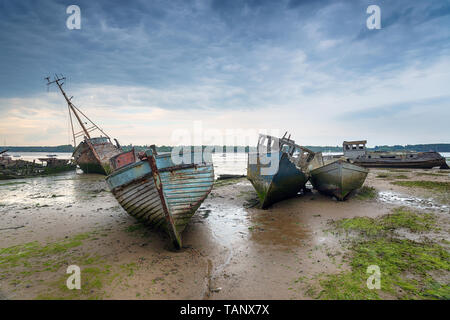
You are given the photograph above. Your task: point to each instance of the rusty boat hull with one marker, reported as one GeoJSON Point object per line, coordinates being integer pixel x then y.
{"type": "Point", "coordinates": [162, 194]}
{"type": "Point", "coordinates": [92, 155]}
{"type": "Point", "coordinates": [338, 178]}
{"type": "Point", "coordinates": [283, 184]}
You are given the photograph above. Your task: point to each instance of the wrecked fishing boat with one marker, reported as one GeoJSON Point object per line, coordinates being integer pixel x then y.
{"type": "Point", "coordinates": [54, 165]}
{"type": "Point", "coordinates": [18, 169]}
{"type": "Point", "coordinates": [93, 153]}
{"type": "Point", "coordinates": [4, 155]}
{"type": "Point", "coordinates": [159, 191]}
{"type": "Point", "coordinates": [278, 169]}
{"type": "Point", "coordinates": [356, 151]}
{"type": "Point", "coordinates": [338, 177]}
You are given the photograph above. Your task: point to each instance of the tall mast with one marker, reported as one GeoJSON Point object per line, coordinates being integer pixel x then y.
{"type": "Point", "coordinates": [69, 105]}
{"type": "Point", "coordinates": [72, 108]}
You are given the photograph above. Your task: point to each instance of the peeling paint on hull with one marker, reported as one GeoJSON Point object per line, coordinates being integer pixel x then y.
{"type": "Point", "coordinates": [88, 161]}
{"type": "Point", "coordinates": [285, 183]}
{"type": "Point", "coordinates": [179, 188]}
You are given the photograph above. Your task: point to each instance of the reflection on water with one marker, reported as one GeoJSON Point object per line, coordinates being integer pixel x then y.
{"type": "Point", "coordinates": [74, 186]}
{"type": "Point", "coordinates": [66, 188]}
{"type": "Point", "coordinates": [230, 163]}
{"type": "Point", "coordinates": [30, 156]}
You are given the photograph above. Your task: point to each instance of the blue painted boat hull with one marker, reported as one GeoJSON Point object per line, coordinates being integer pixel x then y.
{"type": "Point", "coordinates": [165, 198]}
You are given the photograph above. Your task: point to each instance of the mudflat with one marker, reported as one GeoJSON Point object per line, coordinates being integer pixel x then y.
{"type": "Point", "coordinates": [307, 247]}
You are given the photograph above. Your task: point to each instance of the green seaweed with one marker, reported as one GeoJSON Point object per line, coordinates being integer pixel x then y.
{"type": "Point", "coordinates": [405, 268]}
{"type": "Point", "coordinates": [400, 218]}
{"type": "Point", "coordinates": [11, 256]}
{"type": "Point", "coordinates": [366, 193]}
{"type": "Point", "coordinates": [391, 176]}
{"type": "Point", "coordinates": [226, 182]}
{"type": "Point", "coordinates": [12, 183]}
{"type": "Point", "coordinates": [408, 268]}
{"type": "Point", "coordinates": [134, 227]}
{"type": "Point", "coordinates": [430, 185]}
{"type": "Point", "coordinates": [431, 174]}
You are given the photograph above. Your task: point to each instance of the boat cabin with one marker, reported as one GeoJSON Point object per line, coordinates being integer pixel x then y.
{"type": "Point", "coordinates": [354, 149]}
{"type": "Point", "coordinates": [100, 140]}
{"type": "Point", "coordinates": [267, 143]}
{"type": "Point", "coordinates": [301, 156]}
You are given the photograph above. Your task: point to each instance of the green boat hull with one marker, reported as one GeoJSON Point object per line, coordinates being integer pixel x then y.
{"type": "Point", "coordinates": [285, 183]}
{"type": "Point", "coordinates": [92, 168]}
{"type": "Point", "coordinates": [338, 178]}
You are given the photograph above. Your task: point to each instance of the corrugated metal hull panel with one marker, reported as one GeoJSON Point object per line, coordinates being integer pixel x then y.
{"type": "Point", "coordinates": [185, 190]}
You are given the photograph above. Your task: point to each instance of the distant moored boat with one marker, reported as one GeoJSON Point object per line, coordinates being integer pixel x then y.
{"type": "Point", "coordinates": [356, 151]}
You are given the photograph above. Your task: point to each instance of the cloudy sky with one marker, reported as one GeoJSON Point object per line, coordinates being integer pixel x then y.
{"type": "Point", "coordinates": [146, 71]}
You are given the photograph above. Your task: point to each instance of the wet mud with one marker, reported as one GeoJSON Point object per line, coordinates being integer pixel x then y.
{"type": "Point", "coordinates": [232, 249]}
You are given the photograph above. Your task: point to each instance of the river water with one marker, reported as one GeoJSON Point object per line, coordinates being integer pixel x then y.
{"type": "Point", "coordinates": [224, 163]}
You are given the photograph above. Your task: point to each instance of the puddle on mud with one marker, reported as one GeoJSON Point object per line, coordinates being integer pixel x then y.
{"type": "Point", "coordinates": [246, 231]}
{"type": "Point", "coordinates": [279, 229]}
{"type": "Point", "coordinates": [232, 223]}
{"type": "Point", "coordinates": [228, 226]}
{"type": "Point", "coordinates": [410, 201]}
{"type": "Point", "coordinates": [60, 190]}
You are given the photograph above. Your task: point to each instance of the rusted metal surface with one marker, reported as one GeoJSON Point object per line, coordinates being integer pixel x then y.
{"type": "Point", "coordinates": [93, 155]}
{"type": "Point", "coordinates": [123, 159]}
{"type": "Point", "coordinates": [160, 193]}
{"type": "Point", "coordinates": [338, 178]}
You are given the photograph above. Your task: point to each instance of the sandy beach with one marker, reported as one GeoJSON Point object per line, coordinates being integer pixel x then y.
{"type": "Point", "coordinates": [232, 249]}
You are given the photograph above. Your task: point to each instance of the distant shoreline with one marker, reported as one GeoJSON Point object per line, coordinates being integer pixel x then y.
{"type": "Point", "coordinates": [438, 147]}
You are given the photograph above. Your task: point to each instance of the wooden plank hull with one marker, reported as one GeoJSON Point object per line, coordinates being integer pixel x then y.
{"type": "Point", "coordinates": [285, 183]}
{"type": "Point", "coordinates": [165, 199]}
{"type": "Point", "coordinates": [338, 178]}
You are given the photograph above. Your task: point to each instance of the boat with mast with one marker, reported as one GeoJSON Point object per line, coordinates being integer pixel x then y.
{"type": "Point", "coordinates": [93, 153]}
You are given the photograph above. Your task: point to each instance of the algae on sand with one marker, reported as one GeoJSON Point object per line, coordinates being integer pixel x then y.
{"type": "Point", "coordinates": [431, 185]}
{"type": "Point", "coordinates": [399, 218]}
{"type": "Point", "coordinates": [225, 182]}
{"type": "Point", "coordinates": [21, 262]}
{"type": "Point", "coordinates": [409, 269]}
{"type": "Point", "coordinates": [365, 193]}
{"type": "Point", "coordinates": [406, 267]}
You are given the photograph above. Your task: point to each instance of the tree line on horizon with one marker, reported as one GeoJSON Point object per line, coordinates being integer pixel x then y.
{"type": "Point", "coordinates": [438, 147]}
